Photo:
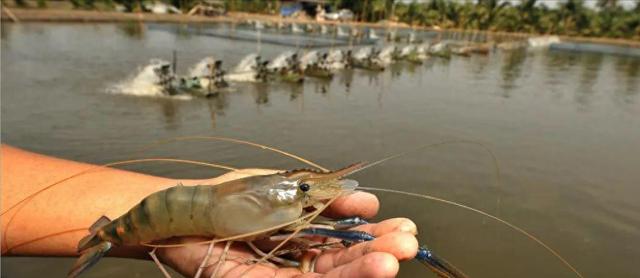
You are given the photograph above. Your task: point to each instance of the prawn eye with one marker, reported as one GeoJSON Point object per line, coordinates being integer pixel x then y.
{"type": "Point", "coordinates": [305, 187]}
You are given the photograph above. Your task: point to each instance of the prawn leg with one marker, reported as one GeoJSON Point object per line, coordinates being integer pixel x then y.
{"type": "Point", "coordinates": [274, 258]}
{"type": "Point", "coordinates": [203, 264]}
{"type": "Point", "coordinates": [158, 263]}
{"type": "Point", "coordinates": [425, 256]}
{"type": "Point", "coordinates": [222, 259]}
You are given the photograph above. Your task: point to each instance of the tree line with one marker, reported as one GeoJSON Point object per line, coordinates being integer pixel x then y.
{"type": "Point", "coordinates": [569, 17]}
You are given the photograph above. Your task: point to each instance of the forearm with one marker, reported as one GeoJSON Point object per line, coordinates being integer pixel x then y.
{"type": "Point", "coordinates": [51, 222]}
{"type": "Point", "coordinates": [60, 215]}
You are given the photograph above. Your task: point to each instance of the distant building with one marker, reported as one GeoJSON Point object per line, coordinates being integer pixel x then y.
{"type": "Point", "coordinates": [309, 7]}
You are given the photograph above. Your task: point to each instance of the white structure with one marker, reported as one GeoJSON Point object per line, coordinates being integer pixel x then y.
{"type": "Point", "coordinates": [296, 29]}
{"type": "Point", "coordinates": [543, 41]}
{"type": "Point", "coordinates": [372, 34]}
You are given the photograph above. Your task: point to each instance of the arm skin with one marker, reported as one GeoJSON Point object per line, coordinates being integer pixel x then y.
{"type": "Point", "coordinates": [75, 204]}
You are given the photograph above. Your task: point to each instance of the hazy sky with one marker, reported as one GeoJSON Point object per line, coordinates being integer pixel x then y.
{"type": "Point", "coordinates": [554, 3]}
{"type": "Point", "coordinates": [588, 3]}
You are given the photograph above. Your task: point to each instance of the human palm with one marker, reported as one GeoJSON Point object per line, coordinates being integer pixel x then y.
{"type": "Point", "coordinates": [395, 240]}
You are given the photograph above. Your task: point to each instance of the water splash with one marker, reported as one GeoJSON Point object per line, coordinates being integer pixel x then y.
{"type": "Point", "coordinates": [147, 81]}
{"type": "Point", "coordinates": [363, 53]}
{"type": "Point", "coordinates": [246, 70]}
{"type": "Point", "coordinates": [336, 59]}
{"type": "Point", "coordinates": [281, 61]}
{"type": "Point", "coordinates": [202, 68]}
{"type": "Point", "coordinates": [309, 58]}
{"type": "Point", "coordinates": [387, 54]}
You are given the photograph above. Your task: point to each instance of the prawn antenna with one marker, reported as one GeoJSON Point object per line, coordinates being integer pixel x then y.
{"type": "Point", "coordinates": [232, 140]}
{"type": "Point", "coordinates": [502, 221]}
{"type": "Point", "coordinates": [433, 145]}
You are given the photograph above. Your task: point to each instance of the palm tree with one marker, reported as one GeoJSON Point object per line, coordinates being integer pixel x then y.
{"type": "Point", "coordinates": [574, 18]}
{"type": "Point", "coordinates": [487, 10]}
{"type": "Point", "coordinates": [528, 15]}
{"type": "Point", "coordinates": [378, 9]}
{"type": "Point", "coordinates": [603, 4]}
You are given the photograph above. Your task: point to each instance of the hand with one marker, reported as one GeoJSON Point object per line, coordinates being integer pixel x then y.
{"type": "Point", "coordinates": [378, 258]}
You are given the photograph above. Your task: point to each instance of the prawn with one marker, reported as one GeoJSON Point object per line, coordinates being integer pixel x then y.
{"type": "Point", "coordinates": [235, 208]}
{"type": "Point", "coordinates": [297, 189]}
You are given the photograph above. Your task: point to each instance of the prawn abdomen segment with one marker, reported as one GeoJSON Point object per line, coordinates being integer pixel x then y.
{"type": "Point", "coordinates": [176, 211]}
{"type": "Point", "coordinates": [228, 209]}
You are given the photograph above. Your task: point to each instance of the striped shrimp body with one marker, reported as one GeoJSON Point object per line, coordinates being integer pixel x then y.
{"type": "Point", "coordinates": [229, 209]}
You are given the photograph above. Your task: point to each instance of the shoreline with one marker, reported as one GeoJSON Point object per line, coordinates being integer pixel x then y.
{"type": "Point", "coordinates": [86, 16]}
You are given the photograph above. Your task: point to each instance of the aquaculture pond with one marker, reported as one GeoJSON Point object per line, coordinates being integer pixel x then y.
{"type": "Point", "coordinates": [565, 129]}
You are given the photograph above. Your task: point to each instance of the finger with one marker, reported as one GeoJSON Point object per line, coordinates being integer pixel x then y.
{"type": "Point", "coordinates": [373, 265]}
{"type": "Point", "coordinates": [361, 204]}
{"type": "Point", "coordinates": [400, 224]}
{"type": "Point", "coordinates": [401, 245]}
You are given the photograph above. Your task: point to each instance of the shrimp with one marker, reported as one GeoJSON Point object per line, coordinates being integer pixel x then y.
{"type": "Point", "coordinates": [295, 190]}
{"type": "Point", "coordinates": [229, 209]}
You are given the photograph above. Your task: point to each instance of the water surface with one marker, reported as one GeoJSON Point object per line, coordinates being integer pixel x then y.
{"type": "Point", "coordinates": [565, 128]}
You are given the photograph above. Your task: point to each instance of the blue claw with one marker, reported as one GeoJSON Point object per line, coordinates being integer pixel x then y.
{"type": "Point", "coordinates": [353, 236]}
{"type": "Point", "coordinates": [438, 265]}
{"type": "Point", "coordinates": [349, 223]}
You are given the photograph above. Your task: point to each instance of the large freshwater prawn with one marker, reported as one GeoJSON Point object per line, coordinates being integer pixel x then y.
{"type": "Point", "coordinates": [258, 207]}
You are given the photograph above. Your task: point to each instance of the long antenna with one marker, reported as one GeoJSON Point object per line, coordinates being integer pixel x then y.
{"type": "Point", "coordinates": [493, 157]}
{"type": "Point", "coordinates": [509, 224]}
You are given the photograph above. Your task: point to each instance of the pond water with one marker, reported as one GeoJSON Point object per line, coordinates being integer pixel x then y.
{"type": "Point", "coordinates": [565, 129]}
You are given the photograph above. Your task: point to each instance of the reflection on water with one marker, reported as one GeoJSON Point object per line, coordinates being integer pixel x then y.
{"type": "Point", "coordinates": [564, 126]}
{"type": "Point", "coordinates": [261, 94]}
{"type": "Point", "coordinates": [133, 29]}
{"type": "Point", "coordinates": [591, 65]}
{"type": "Point", "coordinates": [511, 69]}
{"type": "Point", "coordinates": [345, 78]}
{"type": "Point", "coordinates": [631, 70]}
{"type": "Point", "coordinates": [478, 66]}
{"type": "Point", "coordinates": [169, 110]}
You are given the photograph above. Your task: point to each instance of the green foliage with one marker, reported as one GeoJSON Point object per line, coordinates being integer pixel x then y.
{"type": "Point", "coordinates": [129, 5]}
{"type": "Point", "coordinates": [571, 17]}
{"type": "Point", "coordinates": [82, 4]}
{"type": "Point", "coordinates": [252, 6]}
{"type": "Point", "coordinates": [76, 3]}
{"type": "Point", "coordinates": [41, 3]}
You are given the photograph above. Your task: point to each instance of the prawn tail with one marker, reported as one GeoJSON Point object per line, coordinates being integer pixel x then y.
{"type": "Point", "coordinates": [91, 248]}
{"type": "Point", "coordinates": [92, 239]}
{"type": "Point", "coordinates": [88, 242]}
{"type": "Point", "coordinates": [89, 257]}
{"type": "Point", "coordinates": [438, 265]}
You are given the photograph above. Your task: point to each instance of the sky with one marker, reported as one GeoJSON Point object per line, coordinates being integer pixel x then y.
{"type": "Point", "coordinates": [554, 3]}
{"type": "Point", "coordinates": [588, 3]}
